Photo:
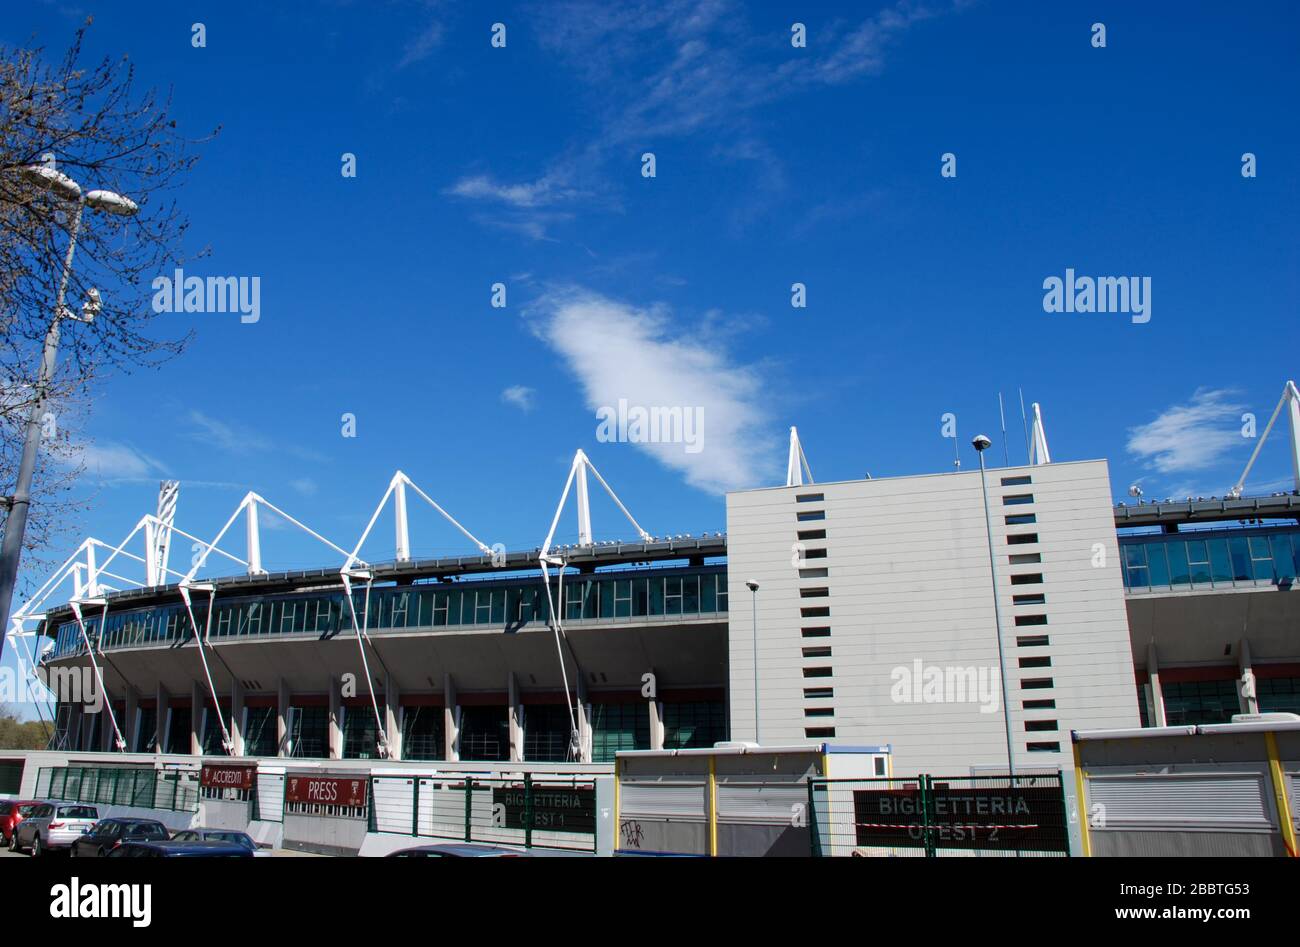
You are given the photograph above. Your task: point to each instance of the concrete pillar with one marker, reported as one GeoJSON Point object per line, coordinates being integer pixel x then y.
{"type": "Point", "coordinates": [392, 717]}
{"type": "Point", "coordinates": [450, 715]}
{"type": "Point", "coordinates": [106, 726]}
{"type": "Point", "coordinates": [1247, 695]}
{"type": "Point", "coordinates": [87, 731]}
{"type": "Point", "coordinates": [584, 720]}
{"type": "Point", "coordinates": [162, 704]}
{"type": "Point", "coordinates": [656, 711]}
{"type": "Point", "coordinates": [282, 720]}
{"type": "Point", "coordinates": [198, 707]}
{"type": "Point", "coordinates": [516, 713]}
{"type": "Point", "coordinates": [129, 717]}
{"type": "Point", "coordinates": [336, 719]}
{"type": "Point", "coordinates": [75, 714]}
{"type": "Point", "coordinates": [1157, 695]}
{"type": "Point", "coordinates": [237, 717]}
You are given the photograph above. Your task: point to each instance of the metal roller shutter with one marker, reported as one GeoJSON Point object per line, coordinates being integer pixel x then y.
{"type": "Point", "coordinates": [1238, 801]}
{"type": "Point", "coordinates": [675, 799]}
{"type": "Point", "coordinates": [765, 803]}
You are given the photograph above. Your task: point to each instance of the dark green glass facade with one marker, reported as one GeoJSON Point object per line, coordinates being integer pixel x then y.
{"type": "Point", "coordinates": [1278, 694]}
{"type": "Point", "coordinates": [503, 603]}
{"type": "Point", "coordinates": [484, 733]}
{"type": "Point", "coordinates": [1190, 702]}
{"type": "Point", "coordinates": [259, 731]}
{"type": "Point", "coordinates": [422, 733]}
{"type": "Point", "coordinates": [360, 733]}
{"type": "Point", "coordinates": [694, 724]}
{"type": "Point", "coordinates": [178, 733]}
{"type": "Point", "coordinates": [309, 732]}
{"type": "Point", "coordinates": [546, 732]}
{"type": "Point", "coordinates": [617, 727]}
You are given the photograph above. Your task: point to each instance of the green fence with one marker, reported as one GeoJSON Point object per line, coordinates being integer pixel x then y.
{"type": "Point", "coordinates": [532, 812]}
{"type": "Point", "coordinates": [142, 787]}
{"type": "Point", "coordinates": [939, 816]}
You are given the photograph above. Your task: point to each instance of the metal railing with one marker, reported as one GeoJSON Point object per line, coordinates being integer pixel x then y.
{"type": "Point", "coordinates": [527, 811]}
{"type": "Point", "coordinates": [939, 816]}
{"type": "Point", "coordinates": [141, 787]}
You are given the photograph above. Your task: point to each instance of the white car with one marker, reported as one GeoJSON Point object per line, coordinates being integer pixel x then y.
{"type": "Point", "coordinates": [53, 825]}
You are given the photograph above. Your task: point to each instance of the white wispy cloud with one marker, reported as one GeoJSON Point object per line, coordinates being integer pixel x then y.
{"type": "Point", "coordinates": [237, 439]}
{"type": "Point", "coordinates": [422, 44]}
{"type": "Point", "coordinates": [110, 460]}
{"type": "Point", "coordinates": [621, 351]}
{"type": "Point", "coordinates": [653, 72]}
{"type": "Point", "coordinates": [521, 396]}
{"type": "Point", "coordinates": [1190, 437]}
{"type": "Point", "coordinates": [225, 437]}
{"type": "Point", "coordinates": [862, 50]}
{"type": "Point", "coordinates": [533, 194]}
{"type": "Point", "coordinates": [304, 485]}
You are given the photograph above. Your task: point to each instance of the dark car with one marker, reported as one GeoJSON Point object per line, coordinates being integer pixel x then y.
{"type": "Point", "coordinates": [172, 848]}
{"type": "Point", "coordinates": [107, 834]}
{"type": "Point", "coordinates": [13, 811]}
{"type": "Point", "coordinates": [216, 835]}
{"type": "Point", "coordinates": [456, 850]}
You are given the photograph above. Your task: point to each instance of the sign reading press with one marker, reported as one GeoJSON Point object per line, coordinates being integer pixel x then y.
{"type": "Point", "coordinates": [314, 790]}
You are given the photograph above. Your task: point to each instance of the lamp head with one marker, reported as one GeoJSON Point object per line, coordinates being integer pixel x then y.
{"type": "Point", "coordinates": [110, 203]}
{"type": "Point", "coordinates": [981, 443]}
{"type": "Point", "coordinates": [47, 179]}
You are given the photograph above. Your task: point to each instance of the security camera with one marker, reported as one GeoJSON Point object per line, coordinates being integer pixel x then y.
{"type": "Point", "coordinates": [1135, 491]}
{"type": "Point", "coordinates": [981, 443]}
{"type": "Point", "coordinates": [90, 308]}
{"type": "Point", "coordinates": [752, 585]}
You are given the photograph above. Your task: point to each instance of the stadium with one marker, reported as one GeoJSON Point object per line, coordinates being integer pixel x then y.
{"type": "Point", "coordinates": [799, 626]}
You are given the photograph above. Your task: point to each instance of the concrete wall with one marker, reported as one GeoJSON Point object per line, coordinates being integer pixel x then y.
{"type": "Point", "coordinates": [907, 574]}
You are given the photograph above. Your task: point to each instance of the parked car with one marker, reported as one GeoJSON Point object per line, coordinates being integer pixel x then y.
{"type": "Point", "coordinates": [216, 835]}
{"type": "Point", "coordinates": [53, 825]}
{"type": "Point", "coordinates": [456, 850]}
{"type": "Point", "coordinates": [107, 834]}
{"type": "Point", "coordinates": [173, 848]}
{"type": "Point", "coordinates": [13, 811]}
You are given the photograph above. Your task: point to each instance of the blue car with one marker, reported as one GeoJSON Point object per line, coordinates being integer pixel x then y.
{"type": "Point", "coordinates": [216, 835]}
{"type": "Point", "coordinates": [174, 849]}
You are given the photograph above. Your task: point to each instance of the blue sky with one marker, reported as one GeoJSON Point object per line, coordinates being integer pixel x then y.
{"type": "Point", "coordinates": [775, 165]}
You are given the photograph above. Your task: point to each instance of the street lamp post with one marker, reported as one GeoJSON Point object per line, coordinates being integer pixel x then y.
{"type": "Point", "coordinates": [982, 443]}
{"type": "Point", "coordinates": [16, 520]}
{"type": "Point", "coordinates": [753, 589]}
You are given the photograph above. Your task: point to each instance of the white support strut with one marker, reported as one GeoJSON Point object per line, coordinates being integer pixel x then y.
{"type": "Point", "coordinates": [1038, 453]}
{"type": "Point", "coordinates": [1291, 401]}
{"type": "Point", "coordinates": [362, 631]}
{"type": "Point", "coordinates": [797, 464]}
{"type": "Point", "coordinates": [577, 473]}
{"type": "Point", "coordinates": [99, 675]}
